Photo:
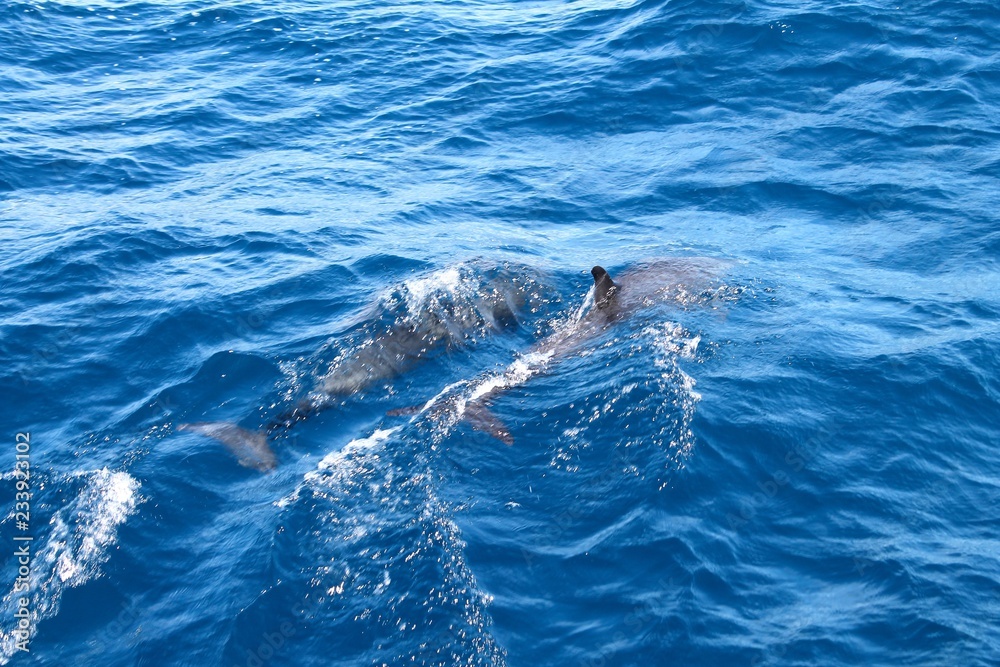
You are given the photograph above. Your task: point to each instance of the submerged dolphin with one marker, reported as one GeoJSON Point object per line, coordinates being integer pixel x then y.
{"type": "Point", "coordinates": [421, 317]}
{"type": "Point", "coordinates": [659, 282]}
{"type": "Point", "coordinates": [250, 448]}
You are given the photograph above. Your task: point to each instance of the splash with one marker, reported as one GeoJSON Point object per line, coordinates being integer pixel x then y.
{"type": "Point", "coordinates": [453, 307]}
{"type": "Point", "coordinates": [380, 529]}
{"type": "Point", "coordinates": [576, 334]}
{"type": "Point", "coordinates": [418, 292]}
{"type": "Point", "coordinates": [671, 343]}
{"type": "Point", "coordinates": [81, 537]}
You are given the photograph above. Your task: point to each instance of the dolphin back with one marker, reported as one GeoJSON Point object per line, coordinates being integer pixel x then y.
{"type": "Point", "coordinates": [250, 448]}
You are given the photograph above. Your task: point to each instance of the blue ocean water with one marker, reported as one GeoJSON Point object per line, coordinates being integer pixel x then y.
{"type": "Point", "coordinates": [213, 211]}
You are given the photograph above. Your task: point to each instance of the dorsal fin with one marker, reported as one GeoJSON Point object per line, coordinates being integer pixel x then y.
{"type": "Point", "coordinates": [604, 287]}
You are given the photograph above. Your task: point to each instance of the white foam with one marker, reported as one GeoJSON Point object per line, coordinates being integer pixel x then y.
{"type": "Point", "coordinates": [336, 462]}
{"type": "Point", "coordinates": [441, 394]}
{"type": "Point", "coordinates": [588, 301]}
{"type": "Point", "coordinates": [517, 373]}
{"type": "Point", "coordinates": [81, 536]}
{"type": "Point", "coordinates": [670, 344]}
{"type": "Point", "coordinates": [420, 290]}
{"type": "Point", "coordinates": [105, 503]}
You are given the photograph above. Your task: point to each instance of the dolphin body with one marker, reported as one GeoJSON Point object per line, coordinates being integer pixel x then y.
{"type": "Point", "coordinates": [659, 282]}
{"type": "Point", "coordinates": [424, 316]}
{"type": "Point", "coordinates": [400, 347]}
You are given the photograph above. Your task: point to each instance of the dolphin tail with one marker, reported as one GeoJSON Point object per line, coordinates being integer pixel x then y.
{"type": "Point", "coordinates": [478, 416]}
{"type": "Point", "coordinates": [250, 448]}
{"type": "Point", "coordinates": [481, 419]}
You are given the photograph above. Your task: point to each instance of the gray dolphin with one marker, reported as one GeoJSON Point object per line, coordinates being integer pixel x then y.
{"type": "Point", "coordinates": [678, 281]}
{"type": "Point", "coordinates": [450, 308]}
{"type": "Point", "coordinates": [250, 448]}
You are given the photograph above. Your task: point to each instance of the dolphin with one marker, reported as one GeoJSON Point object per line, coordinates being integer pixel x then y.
{"type": "Point", "coordinates": [419, 318]}
{"type": "Point", "coordinates": [607, 303]}
{"type": "Point", "coordinates": [250, 448]}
